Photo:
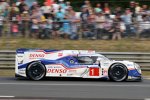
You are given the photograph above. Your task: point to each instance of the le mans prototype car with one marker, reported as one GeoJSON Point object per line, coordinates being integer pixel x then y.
{"type": "Point", "coordinates": [36, 64]}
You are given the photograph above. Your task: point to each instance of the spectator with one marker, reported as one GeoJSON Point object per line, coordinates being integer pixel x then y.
{"type": "Point", "coordinates": [87, 4]}
{"type": "Point", "coordinates": [84, 16]}
{"type": "Point", "coordinates": [34, 6]}
{"type": "Point", "coordinates": [100, 20]}
{"type": "Point", "coordinates": [19, 19]}
{"type": "Point", "coordinates": [107, 27]}
{"type": "Point", "coordinates": [132, 8]}
{"type": "Point", "coordinates": [144, 27]}
{"type": "Point", "coordinates": [60, 15]}
{"type": "Point", "coordinates": [6, 13]}
{"type": "Point", "coordinates": [3, 5]}
{"type": "Point", "coordinates": [62, 4]}
{"type": "Point", "coordinates": [127, 17]}
{"type": "Point", "coordinates": [42, 25]}
{"type": "Point", "coordinates": [69, 12]}
{"type": "Point", "coordinates": [14, 7]}
{"type": "Point", "coordinates": [46, 10]}
{"type": "Point", "coordinates": [35, 28]}
{"type": "Point", "coordinates": [48, 28]}
{"type": "Point", "coordinates": [145, 8]}
{"type": "Point", "coordinates": [106, 9]}
{"type": "Point", "coordinates": [7, 28]}
{"type": "Point", "coordinates": [14, 28]}
{"type": "Point", "coordinates": [21, 6]}
{"type": "Point", "coordinates": [13, 14]}
{"type": "Point", "coordinates": [139, 16]}
{"type": "Point", "coordinates": [25, 23]}
{"type": "Point", "coordinates": [118, 11]}
{"type": "Point", "coordinates": [137, 8]}
{"type": "Point", "coordinates": [117, 29]}
{"type": "Point", "coordinates": [49, 22]}
{"type": "Point", "coordinates": [98, 9]}
{"type": "Point", "coordinates": [89, 29]}
{"type": "Point", "coordinates": [74, 26]}
{"type": "Point", "coordinates": [1, 24]}
{"type": "Point", "coordinates": [18, 2]}
{"type": "Point", "coordinates": [66, 27]}
{"type": "Point", "coordinates": [36, 15]}
{"type": "Point", "coordinates": [55, 7]}
{"type": "Point", "coordinates": [68, 4]}
{"type": "Point", "coordinates": [56, 26]}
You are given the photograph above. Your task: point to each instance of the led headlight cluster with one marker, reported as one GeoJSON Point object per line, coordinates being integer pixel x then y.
{"type": "Point", "coordinates": [20, 59]}
{"type": "Point", "coordinates": [137, 67]}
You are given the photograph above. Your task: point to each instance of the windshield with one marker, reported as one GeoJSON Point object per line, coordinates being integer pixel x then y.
{"type": "Point", "coordinates": [85, 60]}
{"type": "Point", "coordinates": [102, 58]}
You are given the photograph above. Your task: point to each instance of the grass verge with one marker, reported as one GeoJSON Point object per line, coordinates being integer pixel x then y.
{"type": "Point", "coordinates": [7, 72]}
{"type": "Point", "coordinates": [124, 45]}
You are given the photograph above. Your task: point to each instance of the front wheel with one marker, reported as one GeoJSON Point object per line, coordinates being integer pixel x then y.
{"type": "Point", "coordinates": [36, 71]}
{"type": "Point", "coordinates": [118, 72]}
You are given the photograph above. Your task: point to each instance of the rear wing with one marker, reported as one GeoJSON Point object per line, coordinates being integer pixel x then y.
{"type": "Point", "coordinates": [27, 55]}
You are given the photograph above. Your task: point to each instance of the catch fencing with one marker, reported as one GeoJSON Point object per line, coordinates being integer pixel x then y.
{"type": "Point", "coordinates": [7, 58]}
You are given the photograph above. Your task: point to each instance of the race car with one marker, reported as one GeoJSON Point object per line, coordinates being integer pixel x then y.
{"type": "Point", "coordinates": [36, 64]}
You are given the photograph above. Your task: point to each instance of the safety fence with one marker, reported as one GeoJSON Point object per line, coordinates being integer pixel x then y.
{"type": "Point", "coordinates": [7, 58]}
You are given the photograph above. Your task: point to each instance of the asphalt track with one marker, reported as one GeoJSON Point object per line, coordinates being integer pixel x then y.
{"type": "Point", "coordinates": [73, 89]}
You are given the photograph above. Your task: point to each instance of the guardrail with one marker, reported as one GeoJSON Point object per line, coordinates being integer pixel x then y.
{"type": "Point", "coordinates": [7, 58]}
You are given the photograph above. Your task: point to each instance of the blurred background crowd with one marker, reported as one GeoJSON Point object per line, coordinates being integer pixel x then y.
{"type": "Point", "coordinates": [60, 20]}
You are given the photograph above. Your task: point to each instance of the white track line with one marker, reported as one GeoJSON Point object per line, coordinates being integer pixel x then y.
{"type": "Point", "coordinates": [147, 99]}
{"type": "Point", "coordinates": [97, 85]}
{"type": "Point", "coordinates": [6, 96]}
{"type": "Point", "coordinates": [148, 78]}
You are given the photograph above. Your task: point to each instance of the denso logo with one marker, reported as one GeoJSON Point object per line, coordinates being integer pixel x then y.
{"type": "Point", "coordinates": [37, 55]}
{"type": "Point", "coordinates": [56, 70]}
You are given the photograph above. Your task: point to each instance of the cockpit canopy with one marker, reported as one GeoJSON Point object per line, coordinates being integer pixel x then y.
{"type": "Point", "coordinates": [93, 59]}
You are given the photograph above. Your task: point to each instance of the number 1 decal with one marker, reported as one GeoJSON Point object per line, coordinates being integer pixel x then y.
{"type": "Point", "coordinates": [94, 71]}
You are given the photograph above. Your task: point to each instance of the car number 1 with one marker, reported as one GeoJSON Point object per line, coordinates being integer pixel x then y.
{"type": "Point", "coordinates": [94, 72]}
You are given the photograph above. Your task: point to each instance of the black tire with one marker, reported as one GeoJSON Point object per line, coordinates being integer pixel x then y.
{"type": "Point", "coordinates": [36, 71]}
{"type": "Point", "coordinates": [118, 72]}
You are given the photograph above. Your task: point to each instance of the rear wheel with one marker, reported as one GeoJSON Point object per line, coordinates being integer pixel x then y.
{"type": "Point", "coordinates": [118, 72]}
{"type": "Point", "coordinates": [36, 71]}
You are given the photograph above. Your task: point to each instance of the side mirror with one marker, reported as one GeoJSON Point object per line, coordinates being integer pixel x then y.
{"type": "Point", "coordinates": [99, 64]}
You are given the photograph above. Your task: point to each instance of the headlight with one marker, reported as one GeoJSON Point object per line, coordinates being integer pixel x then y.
{"type": "Point", "coordinates": [137, 67]}
{"type": "Point", "coordinates": [19, 59]}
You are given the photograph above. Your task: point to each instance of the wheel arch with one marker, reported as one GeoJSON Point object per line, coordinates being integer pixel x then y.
{"type": "Point", "coordinates": [117, 63]}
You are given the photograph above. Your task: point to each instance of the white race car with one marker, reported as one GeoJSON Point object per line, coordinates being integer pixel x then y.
{"type": "Point", "coordinates": [37, 64]}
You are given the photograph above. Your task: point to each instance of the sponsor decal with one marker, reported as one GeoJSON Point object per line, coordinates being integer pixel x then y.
{"type": "Point", "coordinates": [106, 64]}
{"type": "Point", "coordinates": [94, 72]}
{"type": "Point", "coordinates": [60, 54]}
{"type": "Point", "coordinates": [91, 51]}
{"type": "Point", "coordinates": [129, 64]}
{"type": "Point", "coordinates": [71, 72]}
{"type": "Point", "coordinates": [55, 66]}
{"type": "Point", "coordinates": [104, 71]}
{"type": "Point", "coordinates": [57, 71]}
{"type": "Point", "coordinates": [32, 56]}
